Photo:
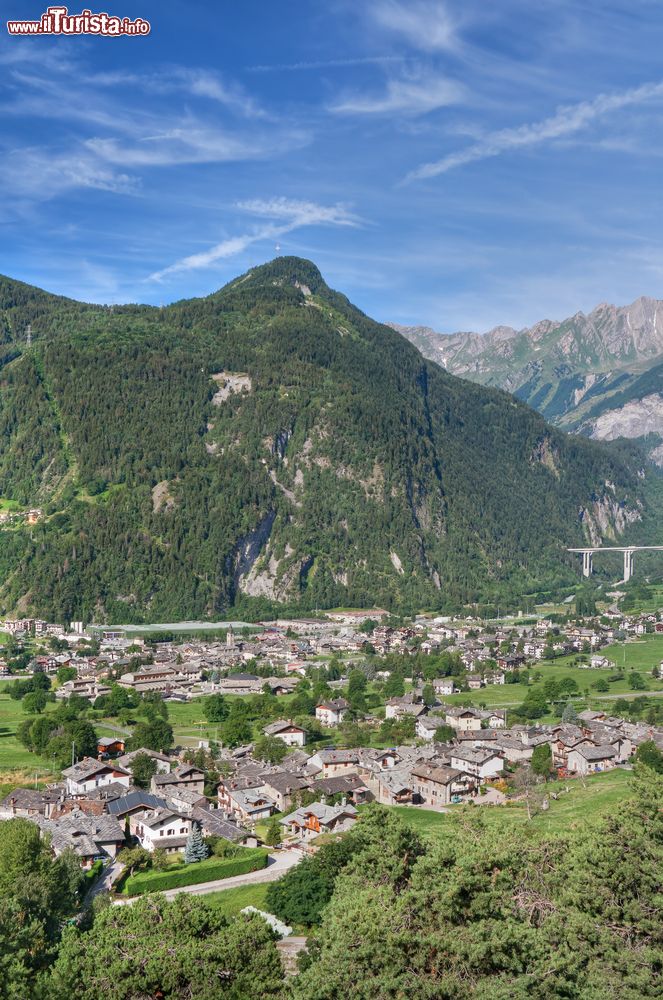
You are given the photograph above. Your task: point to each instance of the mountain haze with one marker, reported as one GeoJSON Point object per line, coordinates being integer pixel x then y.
{"type": "Point", "coordinates": [270, 444]}
{"type": "Point", "coordinates": [599, 374]}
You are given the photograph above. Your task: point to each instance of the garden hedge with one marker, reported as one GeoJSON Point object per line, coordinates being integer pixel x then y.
{"type": "Point", "coordinates": [251, 859]}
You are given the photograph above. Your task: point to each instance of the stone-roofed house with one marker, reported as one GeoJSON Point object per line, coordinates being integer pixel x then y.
{"type": "Point", "coordinates": [350, 785]}
{"type": "Point", "coordinates": [291, 734]}
{"type": "Point", "coordinates": [88, 836]}
{"type": "Point", "coordinates": [331, 713]}
{"type": "Point", "coordinates": [250, 804]}
{"type": "Point", "coordinates": [29, 802]}
{"type": "Point", "coordinates": [164, 829]}
{"type": "Point", "coordinates": [409, 704]}
{"type": "Point", "coordinates": [463, 718]}
{"type": "Point", "coordinates": [427, 725]}
{"type": "Point", "coordinates": [110, 745]}
{"type": "Point", "coordinates": [281, 786]}
{"type": "Point", "coordinates": [444, 685]}
{"type": "Point", "coordinates": [590, 759]}
{"type": "Point", "coordinates": [392, 787]}
{"type": "Point", "coordinates": [474, 681]}
{"type": "Point", "coordinates": [186, 799]}
{"type": "Point", "coordinates": [217, 823]}
{"type": "Point", "coordinates": [90, 773]}
{"type": "Point", "coordinates": [438, 785]}
{"type": "Point", "coordinates": [332, 762]}
{"type": "Point", "coordinates": [296, 760]}
{"type": "Point", "coordinates": [482, 764]}
{"type": "Point", "coordinates": [184, 776]}
{"type": "Point", "coordinates": [310, 821]}
{"type": "Point", "coordinates": [162, 760]}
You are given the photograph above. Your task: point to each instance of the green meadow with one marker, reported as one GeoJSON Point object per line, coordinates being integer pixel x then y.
{"type": "Point", "coordinates": [597, 795]}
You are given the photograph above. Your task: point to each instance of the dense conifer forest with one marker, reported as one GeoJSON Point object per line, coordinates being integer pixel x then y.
{"type": "Point", "coordinates": [272, 445]}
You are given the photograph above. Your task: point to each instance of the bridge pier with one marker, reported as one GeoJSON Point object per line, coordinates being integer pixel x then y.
{"type": "Point", "coordinates": [628, 551]}
{"type": "Point", "coordinates": [628, 564]}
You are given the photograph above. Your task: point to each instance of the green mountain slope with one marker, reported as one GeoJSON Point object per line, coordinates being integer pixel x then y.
{"type": "Point", "coordinates": [270, 444]}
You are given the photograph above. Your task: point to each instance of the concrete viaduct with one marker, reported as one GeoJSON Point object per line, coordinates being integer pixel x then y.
{"type": "Point", "coordinates": [628, 550]}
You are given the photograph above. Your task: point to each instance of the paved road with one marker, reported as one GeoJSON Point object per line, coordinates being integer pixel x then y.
{"type": "Point", "coordinates": [277, 863]}
{"type": "Point", "coordinates": [628, 694]}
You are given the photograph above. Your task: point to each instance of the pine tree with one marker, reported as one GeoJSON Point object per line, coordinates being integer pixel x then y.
{"type": "Point", "coordinates": [196, 849]}
{"type": "Point", "coordinates": [569, 714]}
{"type": "Point", "coordinates": [274, 833]}
{"type": "Point", "coordinates": [542, 760]}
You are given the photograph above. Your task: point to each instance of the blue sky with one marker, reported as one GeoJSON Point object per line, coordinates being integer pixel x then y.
{"type": "Point", "coordinates": [457, 164]}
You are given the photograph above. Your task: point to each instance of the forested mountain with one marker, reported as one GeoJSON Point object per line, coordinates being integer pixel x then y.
{"type": "Point", "coordinates": [599, 374]}
{"type": "Point", "coordinates": [272, 444]}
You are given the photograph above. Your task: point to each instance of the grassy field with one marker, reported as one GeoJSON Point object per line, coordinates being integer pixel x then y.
{"type": "Point", "coordinates": [190, 725]}
{"type": "Point", "coordinates": [639, 654]}
{"type": "Point", "coordinates": [231, 901]}
{"type": "Point", "coordinates": [642, 653]}
{"type": "Point", "coordinates": [654, 602]}
{"type": "Point", "coordinates": [13, 755]}
{"type": "Point", "coordinates": [600, 794]}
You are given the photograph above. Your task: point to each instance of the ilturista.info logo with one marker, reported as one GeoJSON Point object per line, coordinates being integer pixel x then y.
{"type": "Point", "coordinates": [58, 21]}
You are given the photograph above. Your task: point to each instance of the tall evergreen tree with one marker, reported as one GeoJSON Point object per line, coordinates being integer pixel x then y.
{"type": "Point", "coordinates": [196, 849]}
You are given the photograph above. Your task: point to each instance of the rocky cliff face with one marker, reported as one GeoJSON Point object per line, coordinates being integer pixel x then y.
{"type": "Point", "coordinates": [588, 373]}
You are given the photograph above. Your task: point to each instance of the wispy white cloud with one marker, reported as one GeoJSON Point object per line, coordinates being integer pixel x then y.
{"type": "Point", "coordinates": [180, 79]}
{"type": "Point", "coordinates": [290, 215]}
{"type": "Point", "coordinates": [326, 64]}
{"type": "Point", "coordinates": [111, 135]}
{"type": "Point", "coordinates": [424, 24]}
{"type": "Point", "coordinates": [415, 94]}
{"type": "Point", "coordinates": [190, 141]}
{"type": "Point", "coordinates": [291, 209]}
{"type": "Point", "coordinates": [39, 174]}
{"type": "Point", "coordinates": [568, 120]}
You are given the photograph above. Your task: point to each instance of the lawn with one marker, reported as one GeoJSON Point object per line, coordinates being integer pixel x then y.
{"type": "Point", "coordinates": [231, 901]}
{"type": "Point", "coordinates": [642, 653]}
{"type": "Point", "coordinates": [13, 755]}
{"type": "Point", "coordinates": [600, 794]}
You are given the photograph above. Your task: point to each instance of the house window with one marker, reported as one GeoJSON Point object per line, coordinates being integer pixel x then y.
{"type": "Point", "coordinates": [161, 833]}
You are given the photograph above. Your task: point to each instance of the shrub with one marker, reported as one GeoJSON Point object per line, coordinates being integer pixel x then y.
{"type": "Point", "coordinates": [250, 860]}
{"type": "Point", "coordinates": [89, 877]}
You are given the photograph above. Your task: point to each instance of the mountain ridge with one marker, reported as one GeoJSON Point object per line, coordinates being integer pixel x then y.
{"type": "Point", "coordinates": [578, 372]}
{"type": "Point", "coordinates": [270, 445]}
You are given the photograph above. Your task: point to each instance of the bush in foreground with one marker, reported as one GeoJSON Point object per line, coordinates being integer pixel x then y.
{"type": "Point", "coordinates": [169, 950]}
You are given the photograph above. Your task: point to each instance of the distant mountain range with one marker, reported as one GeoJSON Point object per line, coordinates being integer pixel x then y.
{"type": "Point", "coordinates": [268, 446]}
{"type": "Point", "coordinates": [599, 374]}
